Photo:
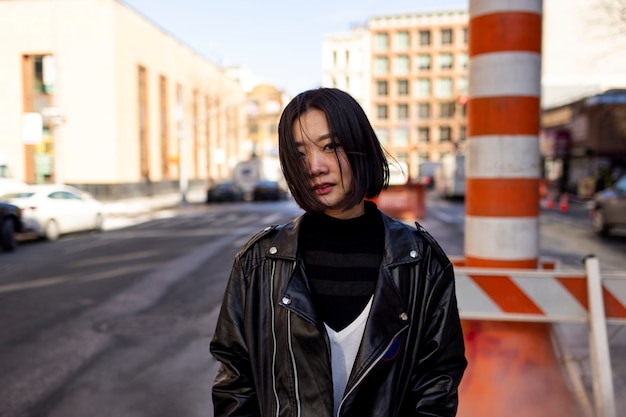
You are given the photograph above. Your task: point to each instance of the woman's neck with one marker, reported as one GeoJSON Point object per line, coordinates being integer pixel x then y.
{"type": "Point", "coordinates": [345, 214]}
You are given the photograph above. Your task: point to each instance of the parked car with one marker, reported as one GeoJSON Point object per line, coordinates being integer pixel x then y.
{"type": "Point", "coordinates": [224, 191]}
{"type": "Point", "coordinates": [10, 224]}
{"type": "Point", "coordinates": [608, 207]}
{"type": "Point", "coordinates": [267, 190]}
{"type": "Point", "coordinates": [49, 211]}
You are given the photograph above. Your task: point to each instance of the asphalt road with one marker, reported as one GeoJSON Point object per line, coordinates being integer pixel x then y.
{"type": "Point", "coordinates": [118, 323]}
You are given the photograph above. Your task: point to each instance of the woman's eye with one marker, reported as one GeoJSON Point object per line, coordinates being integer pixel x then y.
{"type": "Point", "coordinates": [331, 147]}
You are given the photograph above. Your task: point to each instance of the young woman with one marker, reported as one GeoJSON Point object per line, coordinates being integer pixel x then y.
{"type": "Point", "coordinates": [344, 311]}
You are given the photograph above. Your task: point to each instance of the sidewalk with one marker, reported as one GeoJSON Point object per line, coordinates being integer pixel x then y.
{"type": "Point", "coordinates": [146, 204]}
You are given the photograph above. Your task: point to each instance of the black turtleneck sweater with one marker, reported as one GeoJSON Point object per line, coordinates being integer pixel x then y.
{"type": "Point", "coordinates": [342, 259]}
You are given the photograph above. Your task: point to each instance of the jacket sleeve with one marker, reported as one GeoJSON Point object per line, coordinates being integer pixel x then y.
{"type": "Point", "coordinates": [441, 358]}
{"type": "Point", "coordinates": [233, 390]}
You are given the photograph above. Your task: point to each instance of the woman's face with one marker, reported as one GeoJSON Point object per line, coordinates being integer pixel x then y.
{"type": "Point", "coordinates": [326, 163]}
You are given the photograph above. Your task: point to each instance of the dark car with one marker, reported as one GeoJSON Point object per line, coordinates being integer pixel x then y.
{"type": "Point", "coordinates": [10, 224]}
{"type": "Point", "coordinates": [224, 191]}
{"type": "Point", "coordinates": [608, 207]}
{"type": "Point", "coordinates": [267, 190]}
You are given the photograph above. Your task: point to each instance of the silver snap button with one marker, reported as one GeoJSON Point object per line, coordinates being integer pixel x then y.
{"type": "Point", "coordinates": [268, 228]}
{"type": "Point", "coordinates": [404, 317]}
{"type": "Point", "coordinates": [286, 300]}
{"type": "Point", "coordinates": [413, 254]}
{"type": "Point", "coordinates": [273, 250]}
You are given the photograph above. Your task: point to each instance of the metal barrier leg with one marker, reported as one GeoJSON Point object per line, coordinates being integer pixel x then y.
{"type": "Point", "coordinates": [599, 343]}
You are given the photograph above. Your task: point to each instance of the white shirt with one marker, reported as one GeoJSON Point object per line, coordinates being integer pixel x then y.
{"type": "Point", "coordinates": [344, 346]}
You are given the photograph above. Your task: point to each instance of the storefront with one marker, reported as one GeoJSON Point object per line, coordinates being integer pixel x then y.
{"type": "Point", "coordinates": [583, 144]}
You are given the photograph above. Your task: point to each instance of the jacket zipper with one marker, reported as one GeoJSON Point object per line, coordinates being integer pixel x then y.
{"type": "Point", "coordinates": [291, 351]}
{"type": "Point", "coordinates": [368, 370]}
{"type": "Point", "coordinates": [276, 398]}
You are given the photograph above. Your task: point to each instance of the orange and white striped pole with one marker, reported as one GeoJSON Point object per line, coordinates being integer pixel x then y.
{"type": "Point", "coordinates": [503, 163]}
{"type": "Point", "coordinates": [513, 369]}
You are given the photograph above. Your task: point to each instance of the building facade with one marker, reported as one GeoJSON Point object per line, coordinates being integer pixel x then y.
{"type": "Point", "coordinates": [265, 104]}
{"type": "Point", "coordinates": [583, 143]}
{"type": "Point", "coordinates": [94, 94]}
{"type": "Point", "coordinates": [414, 77]}
{"type": "Point", "coordinates": [417, 84]}
{"type": "Point", "coordinates": [346, 61]}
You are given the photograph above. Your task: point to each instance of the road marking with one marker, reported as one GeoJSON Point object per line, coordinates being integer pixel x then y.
{"type": "Point", "coordinates": [115, 258]}
{"type": "Point", "coordinates": [46, 282]}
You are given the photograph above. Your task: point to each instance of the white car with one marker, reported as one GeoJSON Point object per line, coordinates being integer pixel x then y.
{"type": "Point", "coordinates": [52, 210]}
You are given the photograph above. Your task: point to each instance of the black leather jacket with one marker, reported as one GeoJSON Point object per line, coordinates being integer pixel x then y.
{"type": "Point", "coordinates": [275, 354]}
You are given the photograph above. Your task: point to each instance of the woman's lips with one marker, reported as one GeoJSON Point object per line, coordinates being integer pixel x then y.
{"type": "Point", "coordinates": [323, 189]}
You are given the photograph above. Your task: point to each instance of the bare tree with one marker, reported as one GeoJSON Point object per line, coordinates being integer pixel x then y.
{"type": "Point", "coordinates": [614, 12]}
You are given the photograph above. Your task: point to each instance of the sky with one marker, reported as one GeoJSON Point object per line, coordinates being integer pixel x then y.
{"type": "Point", "coordinates": [280, 41]}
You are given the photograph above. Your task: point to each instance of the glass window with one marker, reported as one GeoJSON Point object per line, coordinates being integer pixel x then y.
{"type": "Point", "coordinates": [443, 87]}
{"type": "Point", "coordinates": [381, 111]}
{"type": "Point", "coordinates": [445, 61]}
{"type": "Point", "coordinates": [403, 87]}
{"type": "Point", "coordinates": [401, 40]}
{"type": "Point", "coordinates": [383, 136]}
{"type": "Point", "coordinates": [423, 87]}
{"type": "Point", "coordinates": [424, 37]}
{"type": "Point", "coordinates": [401, 136]}
{"type": "Point", "coordinates": [423, 62]}
{"type": "Point", "coordinates": [446, 36]}
{"type": "Point", "coordinates": [461, 85]}
{"type": "Point", "coordinates": [381, 88]}
{"type": "Point", "coordinates": [402, 157]}
{"type": "Point", "coordinates": [465, 37]}
{"type": "Point", "coordinates": [44, 74]}
{"type": "Point", "coordinates": [445, 134]}
{"type": "Point", "coordinates": [462, 132]}
{"type": "Point", "coordinates": [446, 110]}
{"type": "Point", "coordinates": [381, 41]}
{"type": "Point", "coordinates": [462, 57]}
{"type": "Point", "coordinates": [381, 65]}
{"type": "Point", "coordinates": [463, 110]}
{"type": "Point", "coordinates": [401, 65]}
{"type": "Point", "coordinates": [403, 111]}
{"type": "Point", "coordinates": [423, 134]}
{"type": "Point", "coordinates": [423, 110]}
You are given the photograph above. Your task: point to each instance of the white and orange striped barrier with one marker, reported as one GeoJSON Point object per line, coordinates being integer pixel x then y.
{"type": "Point", "coordinates": [404, 202]}
{"type": "Point", "coordinates": [551, 296]}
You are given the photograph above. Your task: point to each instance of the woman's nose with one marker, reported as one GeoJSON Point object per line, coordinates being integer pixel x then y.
{"type": "Point", "coordinates": [317, 163]}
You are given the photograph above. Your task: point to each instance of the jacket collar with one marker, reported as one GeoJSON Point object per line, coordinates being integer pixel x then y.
{"type": "Point", "coordinates": [398, 249]}
{"type": "Point", "coordinates": [389, 307]}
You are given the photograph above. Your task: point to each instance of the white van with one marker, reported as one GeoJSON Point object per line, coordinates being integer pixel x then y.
{"type": "Point", "coordinates": [450, 176]}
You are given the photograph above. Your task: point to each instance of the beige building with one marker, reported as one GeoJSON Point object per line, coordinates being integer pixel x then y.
{"type": "Point", "coordinates": [94, 94]}
{"type": "Point", "coordinates": [265, 104]}
{"type": "Point", "coordinates": [346, 61]}
{"type": "Point", "coordinates": [416, 82]}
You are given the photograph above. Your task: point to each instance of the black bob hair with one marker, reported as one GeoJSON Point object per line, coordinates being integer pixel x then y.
{"type": "Point", "coordinates": [349, 128]}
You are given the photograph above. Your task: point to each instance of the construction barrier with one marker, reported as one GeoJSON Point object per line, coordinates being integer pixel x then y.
{"type": "Point", "coordinates": [528, 300]}
{"type": "Point", "coordinates": [404, 202]}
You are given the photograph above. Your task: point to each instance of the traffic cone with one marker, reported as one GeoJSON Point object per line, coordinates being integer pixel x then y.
{"type": "Point", "coordinates": [550, 201]}
{"type": "Point", "coordinates": [563, 203]}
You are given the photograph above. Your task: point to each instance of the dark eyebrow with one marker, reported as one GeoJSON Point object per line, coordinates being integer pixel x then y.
{"type": "Point", "coordinates": [319, 139]}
